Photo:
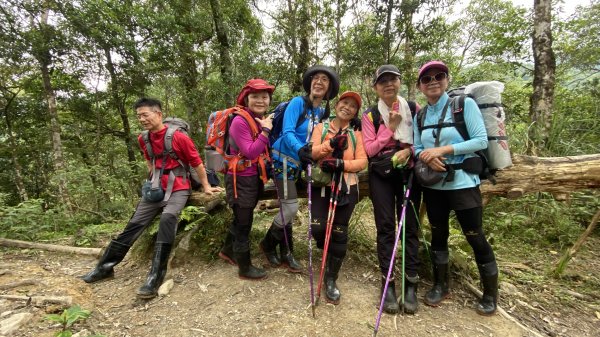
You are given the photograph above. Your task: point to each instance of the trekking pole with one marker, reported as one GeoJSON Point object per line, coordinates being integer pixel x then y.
{"type": "Point", "coordinates": [403, 259]}
{"type": "Point", "coordinates": [391, 267]}
{"type": "Point", "coordinates": [420, 227]}
{"type": "Point", "coordinates": [335, 190]}
{"type": "Point", "coordinates": [310, 269]}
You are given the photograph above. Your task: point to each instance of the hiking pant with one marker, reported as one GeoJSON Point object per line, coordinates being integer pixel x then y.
{"type": "Point", "coordinates": [387, 195]}
{"type": "Point", "coordinates": [338, 243]}
{"type": "Point", "coordinates": [146, 211]}
{"type": "Point", "coordinates": [289, 206]}
{"type": "Point", "coordinates": [248, 191]}
{"type": "Point", "coordinates": [466, 204]}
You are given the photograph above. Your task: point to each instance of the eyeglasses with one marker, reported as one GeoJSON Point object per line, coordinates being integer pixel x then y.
{"type": "Point", "coordinates": [323, 79]}
{"type": "Point", "coordinates": [437, 77]}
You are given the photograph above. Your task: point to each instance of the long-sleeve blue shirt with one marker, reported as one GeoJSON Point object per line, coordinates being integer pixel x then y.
{"type": "Point", "coordinates": [450, 136]}
{"type": "Point", "coordinates": [292, 137]}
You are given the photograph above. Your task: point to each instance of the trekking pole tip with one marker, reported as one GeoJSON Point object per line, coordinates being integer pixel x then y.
{"type": "Point", "coordinates": [313, 312]}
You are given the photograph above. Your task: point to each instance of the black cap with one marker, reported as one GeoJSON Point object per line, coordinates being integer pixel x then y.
{"type": "Point", "coordinates": [334, 80]}
{"type": "Point", "coordinates": [385, 69]}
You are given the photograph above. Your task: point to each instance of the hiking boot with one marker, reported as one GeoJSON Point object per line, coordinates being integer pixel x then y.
{"type": "Point", "coordinates": [390, 301]}
{"type": "Point", "coordinates": [332, 269]}
{"type": "Point", "coordinates": [411, 304]}
{"type": "Point", "coordinates": [489, 279]}
{"type": "Point", "coordinates": [114, 253]}
{"type": "Point", "coordinates": [157, 271]}
{"type": "Point", "coordinates": [287, 258]}
{"type": "Point", "coordinates": [246, 270]}
{"type": "Point", "coordinates": [441, 277]}
{"type": "Point", "coordinates": [226, 252]}
{"type": "Point", "coordinates": [268, 246]}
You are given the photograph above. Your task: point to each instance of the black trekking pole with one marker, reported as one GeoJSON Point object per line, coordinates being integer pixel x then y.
{"type": "Point", "coordinates": [310, 269]}
{"type": "Point", "coordinates": [391, 267]}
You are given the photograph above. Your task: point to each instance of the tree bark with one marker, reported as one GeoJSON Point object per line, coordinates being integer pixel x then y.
{"type": "Point", "coordinates": [542, 98]}
{"type": "Point", "coordinates": [45, 59]}
{"type": "Point", "coordinates": [118, 102]}
{"type": "Point", "coordinates": [224, 55]}
{"type": "Point", "coordinates": [18, 169]}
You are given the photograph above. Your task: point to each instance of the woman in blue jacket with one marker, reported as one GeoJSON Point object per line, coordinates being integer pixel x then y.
{"type": "Point", "coordinates": [444, 150]}
{"type": "Point", "coordinates": [291, 153]}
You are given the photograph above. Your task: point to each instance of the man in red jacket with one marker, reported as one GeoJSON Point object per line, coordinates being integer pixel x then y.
{"type": "Point", "coordinates": [166, 171]}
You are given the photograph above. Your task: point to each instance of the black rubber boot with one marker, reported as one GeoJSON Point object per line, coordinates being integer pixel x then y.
{"type": "Point", "coordinates": [411, 303]}
{"type": "Point", "coordinates": [489, 279]}
{"type": "Point", "coordinates": [287, 257]}
{"type": "Point", "coordinates": [441, 278]}
{"type": "Point", "coordinates": [390, 301]}
{"type": "Point", "coordinates": [226, 252]}
{"type": "Point", "coordinates": [157, 271]}
{"type": "Point", "coordinates": [114, 253]}
{"type": "Point", "coordinates": [268, 246]}
{"type": "Point", "coordinates": [332, 269]}
{"type": "Point", "coordinates": [246, 270]}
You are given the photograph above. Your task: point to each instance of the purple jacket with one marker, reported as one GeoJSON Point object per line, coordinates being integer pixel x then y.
{"type": "Point", "coordinates": [250, 148]}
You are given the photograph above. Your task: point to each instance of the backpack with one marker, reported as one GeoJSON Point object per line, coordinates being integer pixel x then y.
{"type": "Point", "coordinates": [457, 103]}
{"type": "Point", "coordinates": [173, 124]}
{"type": "Point", "coordinates": [218, 145]}
{"type": "Point", "coordinates": [278, 113]}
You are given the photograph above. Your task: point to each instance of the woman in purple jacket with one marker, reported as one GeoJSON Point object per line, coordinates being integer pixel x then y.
{"type": "Point", "coordinates": [244, 188]}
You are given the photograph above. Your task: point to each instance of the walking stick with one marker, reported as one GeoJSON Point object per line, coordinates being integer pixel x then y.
{"type": "Point", "coordinates": [329, 226]}
{"type": "Point", "coordinates": [391, 267]}
{"type": "Point", "coordinates": [403, 260]}
{"type": "Point", "coordinates": [310, 269]}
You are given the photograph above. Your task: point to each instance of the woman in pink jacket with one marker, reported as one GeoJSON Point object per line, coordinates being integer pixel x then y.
{"type": "Point", "coordinates": [244, 186]}
{"type": "Point", "coordinates": [338, 150]}
{"type": "Point", "coordinates": [387, 131]}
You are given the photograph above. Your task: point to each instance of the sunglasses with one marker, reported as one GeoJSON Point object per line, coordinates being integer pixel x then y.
{"type": "Point", "coordinates": [437, 77]}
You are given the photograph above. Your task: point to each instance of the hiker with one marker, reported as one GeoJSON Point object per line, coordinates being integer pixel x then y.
{"type": "Point", "coordinates": [244, 186]}
{"type": "Point", "coordinates": [291, 153]}
{"type": "Point", "coordinates": [459, 193]}
{"type": "Point", "coordinates": [338, 149]}
{"type": "Point", "coordinates": [149, 113]}
{"type": "Point", "coordinates": [387, 133]}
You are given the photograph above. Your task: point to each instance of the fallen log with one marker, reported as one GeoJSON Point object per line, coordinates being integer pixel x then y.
{"type": "Point", "coordinates": [556, 175]}
{"type": "Point", "coordinates": [40, 300]}
{"type": "Point", "coordinates": [49, 247]}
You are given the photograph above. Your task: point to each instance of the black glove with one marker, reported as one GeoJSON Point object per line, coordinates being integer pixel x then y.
{"type": "Point", "coordinates": [331, 165]}
{"type": "Point", "coordinates": [305, 155]}
{"type": "Point", "coordinates": [339, 142]}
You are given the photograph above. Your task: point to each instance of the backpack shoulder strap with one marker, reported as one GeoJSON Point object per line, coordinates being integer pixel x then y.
{"type": "Point", "coordinates": [325, 130]}
{"type": "Point", "coordinates": [146, 139]}
{"type": "Point", "coordinates": [169, 142]}
{"type": "Point", "coordinates": [375, 116]}
{"type": "Point", "coordinates": [352, 137]}
{"type": "Point", "coordinates": [412, 105]}
{"type": "Point", "coordinates": [421, 118]}
{"type": "Point", "coordinates": [458, 116]}
{"type": "Point", "coordinates": [249, 120]}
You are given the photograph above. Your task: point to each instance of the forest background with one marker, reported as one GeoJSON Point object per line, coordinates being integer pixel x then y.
{"type": "Point", "coordinates": [71, 70]}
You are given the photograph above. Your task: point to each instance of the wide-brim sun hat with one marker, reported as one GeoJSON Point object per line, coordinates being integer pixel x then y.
{"type": "Point", "coordinates": [254, 85]}
{"type": "Point", "coordinates": [432, 65]}
{"type": "Point", "coordinates": [351, 94]}
{"type": "Point", "coordinates": [385, 69]}
{"type": "Point", "coordinates": [334, 80]}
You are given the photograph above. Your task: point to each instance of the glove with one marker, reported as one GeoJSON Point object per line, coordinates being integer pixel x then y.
{"type": "Point", "coordinates": [339, 142]}
{"type": "Point", "coordinates": [305, 155]}
{"type": "Point", "coordinates": [331, 165]}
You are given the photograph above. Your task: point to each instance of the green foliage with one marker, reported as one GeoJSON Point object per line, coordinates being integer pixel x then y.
{"type": "Point", "coordinates": [68, 318]}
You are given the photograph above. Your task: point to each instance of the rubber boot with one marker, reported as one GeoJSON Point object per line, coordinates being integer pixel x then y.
{"type": "Point", "coordinates": [157, 272]}
{"type": "Point", "coordinates": [489, 279]}
{"type": "Point", "coordinates": [441, 278]}
{"type": "Point", "coordinates": [287, 257]}
{"type": "Point", "coordinates": [268, 247]}
{"type": "Point", "coordinates": [332, 269]}
{"type": "Point", "coordinates": [114, 253]}
{"type": "Point", "coordinates": [390, 301]}
{"type": "Point", "coordinates": [246, 270]}
{"type": "Point", "coordinates": [411, 303]}
{"type": "Point", "coordinates": [226, 252]}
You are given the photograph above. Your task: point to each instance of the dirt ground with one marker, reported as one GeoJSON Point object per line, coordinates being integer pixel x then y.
{"type": "Point", "coordinates": [210, 300]}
